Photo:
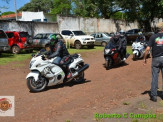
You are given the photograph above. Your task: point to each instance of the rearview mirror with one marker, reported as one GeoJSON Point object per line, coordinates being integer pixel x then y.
{"type": "Point", "coordinates": [71, 35]}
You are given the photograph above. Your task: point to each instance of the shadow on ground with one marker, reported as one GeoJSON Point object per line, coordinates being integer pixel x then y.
{"type": "Point", "coordinates": [69, 84]}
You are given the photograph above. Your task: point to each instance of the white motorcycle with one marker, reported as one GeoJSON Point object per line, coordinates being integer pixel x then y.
{"type": "Point", "coordinates": [45, 73]}
{"type": "Point", "coordinates": [138, 49]}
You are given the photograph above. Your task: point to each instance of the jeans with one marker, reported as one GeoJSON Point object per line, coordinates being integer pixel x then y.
{"type": "Point", "coordinates": [157, 65]}
{"type": "Point", "coordinates": [57, 60]}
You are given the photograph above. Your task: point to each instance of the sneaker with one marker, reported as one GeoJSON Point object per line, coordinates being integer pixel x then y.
{"type": "Point", "coordinates": [153, 98]}
{"type": "Point", "coordinates": [69, 75]}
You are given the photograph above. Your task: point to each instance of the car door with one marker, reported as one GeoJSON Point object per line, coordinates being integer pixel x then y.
{"type": "Point", "coordinates": [99, 38]}
{"type": "Point", "coordinates": [67, 35]}
{"type": "Point", "coordinates": [37, 40]}
{"type": "Point", "coordinates": [3, 39]}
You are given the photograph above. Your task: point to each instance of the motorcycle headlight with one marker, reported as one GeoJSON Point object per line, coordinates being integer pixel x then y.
{"type": "Point", "coordinates": [107, 50]}
{"type": "Point", "coordinates": [31, 63]}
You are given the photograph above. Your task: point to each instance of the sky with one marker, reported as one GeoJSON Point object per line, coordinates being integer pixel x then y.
{"type": "Point", "coordinates": [11, 5]}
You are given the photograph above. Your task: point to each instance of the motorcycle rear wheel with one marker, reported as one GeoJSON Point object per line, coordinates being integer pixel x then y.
{"type": "Point", "coordinates": [80, 78]}
{"type": "Point", "coordinates": [38, 86]}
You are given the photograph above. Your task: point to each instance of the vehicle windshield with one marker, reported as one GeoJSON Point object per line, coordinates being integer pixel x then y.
{"type": "Point", "coordinates": [24, 34]}
{"type": "Point", "coordinates": [78, 33]}
{"type": "Point", "coordinates": [110, 45]}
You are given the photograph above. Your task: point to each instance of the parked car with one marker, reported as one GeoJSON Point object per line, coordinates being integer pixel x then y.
{"type": "Point", "coordinates": [132, 34]}
{"type": "Point", "coordinates": [101, 38]}
{"type": "Point", "coordinates": [4, 46]}
{"type": "Point", "coordinates": [19, 41]}
{"type": "Point", "coordinates": [78, 39]}
{"type": "Point", "coordinates": [41, 39]}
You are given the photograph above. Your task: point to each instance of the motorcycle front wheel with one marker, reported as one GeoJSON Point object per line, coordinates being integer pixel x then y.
{"type": "Point", "coordinates": [134, 57]}
{"type": "Point", "coordinates": [108, 64]}
{"type": "Point", "coordinates": [36, 86]}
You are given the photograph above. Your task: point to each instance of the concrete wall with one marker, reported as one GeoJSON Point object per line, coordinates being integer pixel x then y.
{"type": "Point", "coordinates": [31, 27]}
{"type": "Point", "coordinates": [91, 25]}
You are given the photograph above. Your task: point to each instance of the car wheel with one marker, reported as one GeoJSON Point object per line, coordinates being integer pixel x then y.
{"type": "Point", "coordinates": [78, 45]}
{"type": "Point", "coordinates": [103, 44]}
{"type": "Point", "coordinates": [15, 49]}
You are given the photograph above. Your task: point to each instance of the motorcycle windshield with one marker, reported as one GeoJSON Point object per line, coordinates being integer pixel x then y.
{"type": "Point", "coordinates": [110, 46]}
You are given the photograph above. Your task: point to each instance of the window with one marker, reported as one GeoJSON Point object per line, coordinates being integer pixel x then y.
{"type": "Point", "coordinates": [10, 35]}
{"type": "Point", "coordinates": [24, 34]}
{"type": "Point", "coordinates": [137, 30]}
{"type": "Point", "coordinates": [78, 33]}
{"type": "Point", "coordinates": [93, 35]}
{"type": "Point", "coordinates": [99, 35]}
{"type": "Point", "coordinates": [2, 34]}
{"type": "Point", "coordinates": [66, 33]}
{"type": "Point", "coordinates": [130, 31]}
{"type": "Point", "coordinates": [59, 36]}
{"type": "Point", "coordinates": [39, 36]}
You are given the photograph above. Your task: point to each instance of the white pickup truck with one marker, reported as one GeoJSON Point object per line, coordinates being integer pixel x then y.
{"type": "Point", "coordinates": [77, 38]}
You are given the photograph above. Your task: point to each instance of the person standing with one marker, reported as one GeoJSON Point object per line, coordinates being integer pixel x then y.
{"type": "Point", "coordinates": [156, 43]}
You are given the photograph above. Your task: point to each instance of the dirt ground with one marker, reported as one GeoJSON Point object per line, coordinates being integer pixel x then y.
{"type": "Point", "coordinates": [104, 91]}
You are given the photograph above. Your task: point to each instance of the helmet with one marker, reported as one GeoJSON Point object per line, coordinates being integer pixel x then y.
{"type": "Point", "coordinates": [116, 37]}
{"type": "Point", "coordinates": [53, 39]}
{"type": "Point", "coordinates": [140, 33]}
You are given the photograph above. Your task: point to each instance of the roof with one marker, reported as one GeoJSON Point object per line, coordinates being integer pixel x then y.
{"type": "Point", "coordinates": [11, 16]}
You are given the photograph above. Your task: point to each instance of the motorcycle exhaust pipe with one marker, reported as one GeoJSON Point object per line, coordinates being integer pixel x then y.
{"type": "Point", "coordinates": [86, 66]}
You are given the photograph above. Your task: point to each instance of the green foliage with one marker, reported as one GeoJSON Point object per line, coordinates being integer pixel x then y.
{"type": "Point", "coordinates": [62, 7]}
{"type": "Point", "coordinates": [38, 5]}
{"type": "Point", "coordinates": [7, 13]}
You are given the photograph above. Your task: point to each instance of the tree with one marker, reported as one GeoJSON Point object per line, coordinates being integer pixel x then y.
{"type": "Point", "coordinates": [7, 13]}
{"type": "Point", "coordinates": [144, 11]}
{"type": "Point", "coordinates": [38, 5]}
{"type": "Point", "coordinates": [62, 7]}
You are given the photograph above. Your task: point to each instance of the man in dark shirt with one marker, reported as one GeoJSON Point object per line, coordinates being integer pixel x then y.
{"type": "Point", "coordinates": [156, 43]}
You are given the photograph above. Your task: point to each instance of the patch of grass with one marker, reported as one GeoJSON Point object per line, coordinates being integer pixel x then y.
{"type": "Point", "coordinates": [129, 50]}
{"type": "Point", "coordinates": [161, 103]}
{"type": "Point", "coordinates": [126, 103]}
{"type": "Point", "coordinates": [85, 49]}
{"type": "Point", "coordinates": [6, 58]}
{"type": "Point", "coordinates": [67, 121]}
{"type": "Point", "coordinates": [135, 120]}
{"type": "Point", "coordinates": [143, 105]}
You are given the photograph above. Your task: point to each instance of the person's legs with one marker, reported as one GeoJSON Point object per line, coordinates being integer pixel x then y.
{"type": "Point", "coordinates": [57, 60]}
{"type": "Point", "coordinates": [162, 82]}
{"type": "Point", "coordinates": [154, 84]}
{"type": "Point", "coordinates": [155, 73]}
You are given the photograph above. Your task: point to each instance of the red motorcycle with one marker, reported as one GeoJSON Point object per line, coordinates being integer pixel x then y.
{"type": "Point", "coordinates": [112, 56]}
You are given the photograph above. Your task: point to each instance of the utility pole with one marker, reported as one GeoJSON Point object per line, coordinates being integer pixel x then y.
{"type": "Point", "coordinates": [16, 11]}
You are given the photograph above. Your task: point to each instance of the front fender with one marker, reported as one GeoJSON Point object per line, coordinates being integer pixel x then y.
{"type": "Point", "coordinates": [34, 74]}
{"type": "Point", "coordinates": [136, 52]}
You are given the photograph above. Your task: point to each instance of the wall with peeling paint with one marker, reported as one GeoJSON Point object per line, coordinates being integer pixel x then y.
{"type": "Point", "coordinates": [32, 28]}
{"type": "Point", "coordinates": [91, 25]}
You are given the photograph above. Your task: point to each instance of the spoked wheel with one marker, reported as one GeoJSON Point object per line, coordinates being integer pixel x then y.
{"type": "Point", "coordinates": [15, 49]}
{"type": "Point", "coordinates": [36, 86]}
{"type": "Point", "coordinates": [108, 64]}
{"type": "Point", "coordinates": [103, 44]}
{"type": "Point", "coordinates": [134, 57]}
{"type": "Point", "coordinates": [78, 45]}
{"type": "Point", "coordinates": [80, 78]}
